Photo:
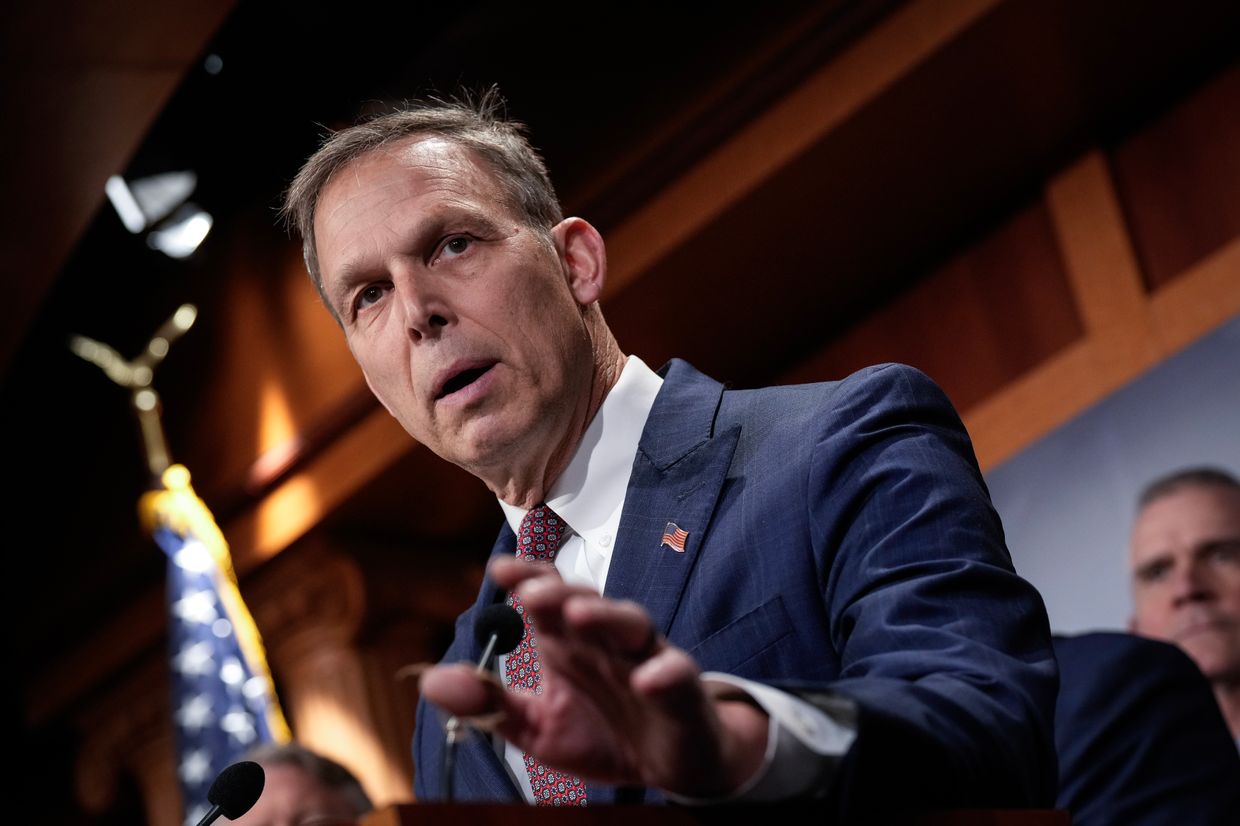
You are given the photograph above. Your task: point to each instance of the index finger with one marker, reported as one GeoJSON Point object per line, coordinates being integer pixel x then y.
{"type": "Point", "coordinates": [622, 626]}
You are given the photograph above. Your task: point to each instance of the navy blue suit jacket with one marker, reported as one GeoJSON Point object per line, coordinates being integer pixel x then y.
{"type": "Point", "coordinates": [1140, 736]}
{"type": "Point", "coordinates": [840, 539]}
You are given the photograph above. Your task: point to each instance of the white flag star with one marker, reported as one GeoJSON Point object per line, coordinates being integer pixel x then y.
{"type": "Point", "coordinates": [195, 767]}
{"type": "Point", "coordinates": [198, 607]}
{"type": "Point", "coordinates": [194, 660]}
{"type": "Point", "coordinates": [195, 714]}
{"type": "Point", "coordinates": [240, 726]}
{"type": "Point", "coordinates": [255, 689]}
{"type": "Point", "coordinates": [194, 556]}
{"type": "Point", "coordinates": [231, 672]}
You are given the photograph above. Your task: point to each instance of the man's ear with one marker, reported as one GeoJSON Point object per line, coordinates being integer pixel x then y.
{"type": "Point", "coordinates": [584, 255]}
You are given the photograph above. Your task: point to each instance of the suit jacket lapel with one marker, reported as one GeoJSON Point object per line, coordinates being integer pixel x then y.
{"type": "Point", "coordinates": [505, 545]}
{"type": "Point", "coordinates": [677, 476]}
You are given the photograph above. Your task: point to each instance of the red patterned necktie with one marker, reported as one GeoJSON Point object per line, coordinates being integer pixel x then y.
{"type": "Point", "coordinates": [538, 540]}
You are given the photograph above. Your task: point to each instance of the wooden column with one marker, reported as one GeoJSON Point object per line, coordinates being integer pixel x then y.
{"type": "Point", "coordinates": [309, 607]}
{"type": "Point", "coordinates": [129, 732]}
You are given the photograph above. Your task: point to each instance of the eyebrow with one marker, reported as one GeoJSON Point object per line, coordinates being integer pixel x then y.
{"type": "Point", "coordinates": [342, 287]}
{"type": "Point", "coordinates": [1199, 551]}
{"type": "Point", "coordinates": [1214, 544]}
{"type": "Point", "coordinates": [428, 228]}
{"type": "Point", "coordinates": [1145, 569]}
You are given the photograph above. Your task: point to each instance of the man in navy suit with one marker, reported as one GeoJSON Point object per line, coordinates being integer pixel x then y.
{"type": "Point", "coordinates": [828, 553]}
{"type": "Point", "coordinates": [1185, 562]}
{"type": "Point", "coordinates": [1141, 740]}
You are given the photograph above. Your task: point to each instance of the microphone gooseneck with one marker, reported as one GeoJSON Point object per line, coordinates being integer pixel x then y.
{"type": "Point", "coordinates": [235, 791]}
{"type": "Point", "coordinates": [498, 629]}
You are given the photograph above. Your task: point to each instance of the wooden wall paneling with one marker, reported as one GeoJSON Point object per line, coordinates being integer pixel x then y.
{"type": "Point", "coordinates": [1202, 298]}
{"type": "Point", "coordinates": [821, 103]}
{"type": "Point", "coordinates": [1152, 240]}
{"type": "Point", "coordinates": [1179, 185]}
{"type": "Point", "coordinates": [1179, 181]}
{"type": "Point", "coordinates": [263, 368]}
{"type": "Point", "coordinates": [992, 312]}
{"type": "Point", "coordinates": [1102, 268]}
{"type": "Point", "coordinates": [1106, 286]}
{"type": "Point", "coordinates": [306, 497]}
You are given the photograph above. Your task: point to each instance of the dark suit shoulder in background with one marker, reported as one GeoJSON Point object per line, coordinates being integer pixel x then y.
{"type": "Point", "coordinates": [1140, 736]}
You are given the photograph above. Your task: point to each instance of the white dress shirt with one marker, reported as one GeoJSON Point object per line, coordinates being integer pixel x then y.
{"type": "Point", "coordinates": [803, 743]}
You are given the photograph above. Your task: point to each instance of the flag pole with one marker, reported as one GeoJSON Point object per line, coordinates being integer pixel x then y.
{"type": "Point", "coordinates": [224, 699]}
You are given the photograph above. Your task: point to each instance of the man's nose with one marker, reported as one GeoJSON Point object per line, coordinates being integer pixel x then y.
{"type": "Point", "coordinates": [1192, 584]}
{"type": "Point", "coordinates": [426, 309]}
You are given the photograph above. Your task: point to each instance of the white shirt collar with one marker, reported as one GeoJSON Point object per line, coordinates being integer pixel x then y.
{"type": "Point", "coordinates": [589, 495]}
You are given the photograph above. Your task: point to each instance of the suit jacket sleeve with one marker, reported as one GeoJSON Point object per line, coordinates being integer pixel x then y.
{"type": "Point", "coordinates": [945, 650]}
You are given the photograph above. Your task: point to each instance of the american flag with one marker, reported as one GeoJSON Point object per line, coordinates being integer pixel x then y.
{"type": "Point", "coordinates": [223, 701]}
{"type": "Point", "coordinates": [674, 538]}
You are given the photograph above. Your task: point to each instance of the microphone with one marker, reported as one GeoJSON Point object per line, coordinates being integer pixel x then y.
{"type": "Point", "coordinates": [498, 629]}
{"type": "Point", "coordinates": [235, 790]}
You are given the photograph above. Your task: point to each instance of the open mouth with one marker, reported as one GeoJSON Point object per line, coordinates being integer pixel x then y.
{"type": "Point", "coordinates": [462, 380]}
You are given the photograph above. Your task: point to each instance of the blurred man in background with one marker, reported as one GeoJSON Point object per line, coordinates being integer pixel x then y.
{"type": "Point", "coordinates": [303, 788]}
{"type": "Point", "coordinates": [1185, 557]}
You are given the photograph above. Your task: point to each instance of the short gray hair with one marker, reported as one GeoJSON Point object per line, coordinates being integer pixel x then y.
{"type": "Point", "coordinates": [1199, 477]}
{"type": "Point", "coordinates": [479, 124]}
{"type": "Point", "coordinates": [324, 770]}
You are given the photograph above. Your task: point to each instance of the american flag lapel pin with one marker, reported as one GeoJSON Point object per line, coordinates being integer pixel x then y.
{"type": "Point", "coordinates": [674, 538]}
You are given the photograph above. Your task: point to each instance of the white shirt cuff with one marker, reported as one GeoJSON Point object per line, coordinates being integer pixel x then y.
{"type": "Point", "coordinates": [804, 744]}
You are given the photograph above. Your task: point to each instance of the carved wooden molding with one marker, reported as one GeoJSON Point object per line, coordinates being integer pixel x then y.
{"type": "Point", "coordinates": [129, 732]}
{"type": "Point", "coordinates": [314, 600]}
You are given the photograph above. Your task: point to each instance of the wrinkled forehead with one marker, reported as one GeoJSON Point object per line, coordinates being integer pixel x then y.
{"type": "Point", "coordinates": [1184, 518]}
{"type": "Point", "coordinates": [417, 164]}
{"type": "Point", "coordinates": [451, 157]}
{"type": "Point", "coordinates": [408, 181]}
{"type": "Point", "coordinates": [431, 155]}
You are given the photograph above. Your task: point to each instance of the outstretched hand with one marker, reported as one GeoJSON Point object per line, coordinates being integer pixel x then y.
{"type": "Point", "coordinates": [619, 704]}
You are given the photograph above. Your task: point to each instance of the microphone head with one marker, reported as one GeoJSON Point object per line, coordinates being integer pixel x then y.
{"type": "Point", "coordinates": [504, 622]}
{"type": "Point", "coordinates": [237, 788]}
